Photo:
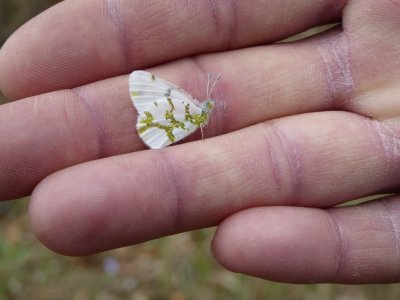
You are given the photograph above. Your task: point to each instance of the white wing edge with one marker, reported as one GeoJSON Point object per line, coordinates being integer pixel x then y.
{"type": "Point", "coordinates": [146, 78]}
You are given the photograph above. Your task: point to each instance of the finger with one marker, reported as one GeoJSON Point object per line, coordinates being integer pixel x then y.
{"type": "Point", "coordinates": [98, 120]}
{"type": "Point", "coordinates": [350, 245]}
{"type": "Point", "coordinates": [108, 203]}
{"type": "Point", "coordinates": [262, 83]}
{"type": "Point", "coordinates": [78, 42]}
{"type": "Point", "coordinates": [46, 133]}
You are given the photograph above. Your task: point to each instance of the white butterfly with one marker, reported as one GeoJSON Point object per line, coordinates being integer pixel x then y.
{"type": "Point", "coordinates": [167, 113]}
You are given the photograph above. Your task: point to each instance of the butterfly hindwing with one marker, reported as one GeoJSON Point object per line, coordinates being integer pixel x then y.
{"type": "Point", "coordinates": [166, 113]}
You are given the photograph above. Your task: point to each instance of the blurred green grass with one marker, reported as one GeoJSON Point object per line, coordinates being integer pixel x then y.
{"type": "Point", "coordinates": [13, 13]}
{"type": "Point", "coordinates": [176, 268]}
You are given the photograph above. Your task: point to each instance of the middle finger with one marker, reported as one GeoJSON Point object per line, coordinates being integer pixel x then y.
{"type": "Point", "coordinates": [98, 120]}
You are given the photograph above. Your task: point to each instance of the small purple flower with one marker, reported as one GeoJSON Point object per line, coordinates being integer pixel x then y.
{"type": "Point", "coordinates": [111, 265]}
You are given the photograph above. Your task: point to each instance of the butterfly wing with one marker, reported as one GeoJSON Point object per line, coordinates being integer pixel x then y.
{"type": "Point", "coordinates": [165, 111]}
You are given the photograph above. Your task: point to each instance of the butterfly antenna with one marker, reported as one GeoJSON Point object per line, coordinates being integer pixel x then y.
{"type": "Point", "coordinates": [213, 86]}
{"type": "Point", "coordinates": [202, 133]}
{"type": "Point", "coordinates": [208, 85]}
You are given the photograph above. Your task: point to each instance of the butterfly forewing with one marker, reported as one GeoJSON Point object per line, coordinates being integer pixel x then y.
{"type": "Point", "coordinates": [163, 110]}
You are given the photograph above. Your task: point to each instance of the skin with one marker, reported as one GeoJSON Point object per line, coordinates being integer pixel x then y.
{"type": "Point", "coordinates": [297, 129]}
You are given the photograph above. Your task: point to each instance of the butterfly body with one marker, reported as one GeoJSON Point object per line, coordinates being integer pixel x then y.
{"type": "Point", "coordinates": [166, 113]}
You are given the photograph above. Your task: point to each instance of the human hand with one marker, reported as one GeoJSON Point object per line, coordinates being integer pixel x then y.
{"type": "Point", "coordinates": [299, 128]}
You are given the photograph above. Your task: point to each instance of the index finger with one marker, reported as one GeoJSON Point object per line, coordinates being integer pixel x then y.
{"type": "Point", "coordinates": [77, 42]}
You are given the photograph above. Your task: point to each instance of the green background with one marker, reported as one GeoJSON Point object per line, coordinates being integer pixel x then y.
{"type": "Point", "coordinates": [177, 268]}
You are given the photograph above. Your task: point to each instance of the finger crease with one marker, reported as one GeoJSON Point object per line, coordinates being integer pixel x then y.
{"type": "Point", "coordinates": [287, 174]}
{"type": "Point", "coordinates": [335, 60]}
{"type": "Point", "coordinates": [395, 229]}
{"type": "Point", "coordinates": [175, 188]}
{"type": "Point", "coordinates": [103, 138]}
{"type": "Point", "coordinates": [118, 19]}
{"type": "Point", "coordinates": [227, 27]}
{"type": "Point", "coordinates": [213, 13]}
{"type": "Point", "coordinates": [339, 234]}
{"type": "Point", "coordinates": [389, 144]}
